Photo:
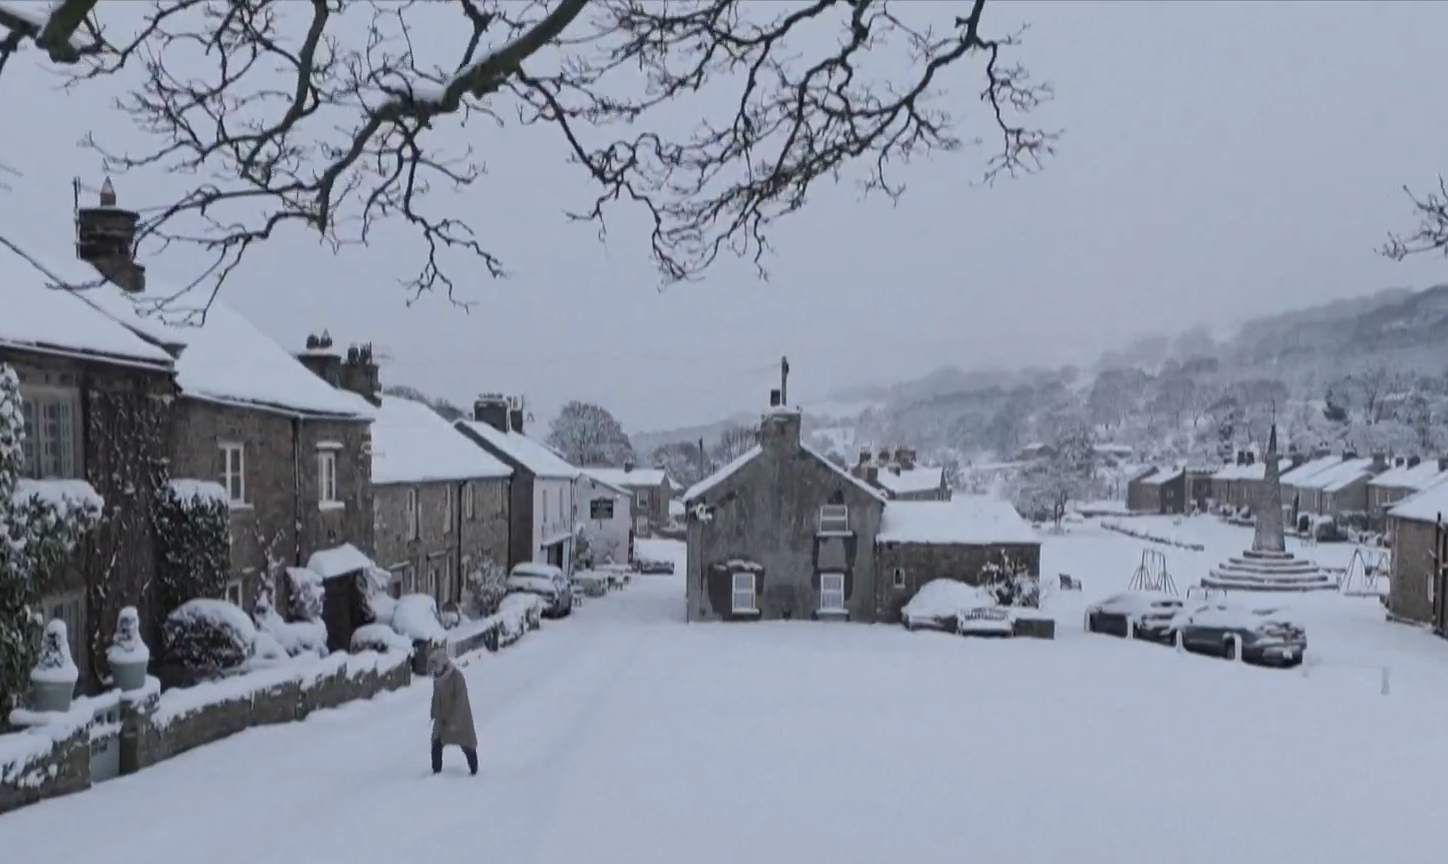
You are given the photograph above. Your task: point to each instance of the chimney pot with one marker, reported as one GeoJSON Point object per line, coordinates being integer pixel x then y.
{"type": "Point", "coordinates": [1380, 461]}
{"type": "Point", "coordinates": [872, 475]}
{"type": "Point", "coordinates": [515, 418]}
{"type": "Point", "coordinates": [108, 194]}
{"type": "Point", "coordinates": [491, 409]}
{"type": "Point", "coordinates": [864, 456]}
{"type": "Point", "coordinates": [628, 465]}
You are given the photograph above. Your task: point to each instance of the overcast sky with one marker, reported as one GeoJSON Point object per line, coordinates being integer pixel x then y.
{"type": "Point", "coordinates": [1220, 160]}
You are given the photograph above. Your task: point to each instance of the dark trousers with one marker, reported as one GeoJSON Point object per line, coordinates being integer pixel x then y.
{"type": "Point", "coordinates": [470, 753]}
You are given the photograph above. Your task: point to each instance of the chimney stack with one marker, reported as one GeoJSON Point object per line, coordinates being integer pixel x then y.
{"type": "Point", "coordinates": [872, 475]}
{"type": "Point", "coordinates": [864, 456]}
{"type": "Point", "coordinates": [492, 409]}
{"type": "Point", "coordinates": [320, 359]}
{"type": "Point", "coordinates": [359, 372]}
{"type": "Point", "coordinates": [776, 399]}
{"type": "Point", "coordinates": [1380, 461]}
{"type": "Point", "coordinates": [906, 458]}
{"type": "Point", "coordinates": [105, 238]}
{"type": "Point", "coordinates": [628, 465]}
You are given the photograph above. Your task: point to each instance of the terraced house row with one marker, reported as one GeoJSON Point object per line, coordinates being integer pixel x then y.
{"type": "Point", "coordinates": [323, 477]}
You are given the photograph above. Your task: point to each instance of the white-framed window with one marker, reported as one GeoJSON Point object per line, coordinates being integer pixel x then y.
{"type": "Point", "coordinates": [413, 513]}
{"type": "Point", "coordinates": [898, 580]}
{"type": "Point", "coordinates": [832, 592]}
{"type": "Point", "coordinates": [69, 608]}
{"type": "Point", "coordinates": [447, 510]}
{"type": "Point", "coordinates": [51, 443]}
{"type": "Point", "coordinates": [469, 504]}
{"type": "Point", "coordinates": [743, 594]}
{"type": "Point", "coordinates": [642, 499]}
{"type": "Point", "coordinates": [233, 472]}
{"type": "Point", "coordinates": [233, 592]}
{"type": "Point", "coordinates": [327, 477]}
{"type": "Point", "coordinates": [834, 519]}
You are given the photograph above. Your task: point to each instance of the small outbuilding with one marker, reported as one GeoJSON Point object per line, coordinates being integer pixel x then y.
{"type": "Point", "coordinates": [964, 538]}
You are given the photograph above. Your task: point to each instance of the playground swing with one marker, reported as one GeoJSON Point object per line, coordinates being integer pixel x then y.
{"type": "Point", "coordinates": [1152, 574]}
{"type": "Point", "coordinates": [1364, 571]}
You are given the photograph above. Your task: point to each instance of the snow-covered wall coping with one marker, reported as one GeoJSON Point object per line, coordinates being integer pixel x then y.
{"type": "Point", "coordinates": [968, 520]}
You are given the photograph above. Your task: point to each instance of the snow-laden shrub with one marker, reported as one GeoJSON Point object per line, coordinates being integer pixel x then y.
{"type": "Point", "coordinates": [451, 616]}
{"type": "Point", "coordinates": [487, 585]}
{"type": "Point", "coordinates": [376, 601]}
{"type": "Point", "coordinates": [207, 638]}
{"type": "Point", "coordinates": [306, 595]}
{"type": "Point", "coordinates": [40, 523]}
{"type": "Point", "coordinates": [267, 650]}
{"type": "Point", "coordinates": [127, 646]}
{"type": "Point", "coordinates": [1011, 584]}
{"type": "Point", "coordinates": [415, 617]}
{"type": "Point", "coordinates": [295, 637]}
{"type": "Point", "coordinates": [193, 549]}
{"type": "Point", "coordinates": [55, 665]}
{"type": "Point", "coordinates": [380, 638]}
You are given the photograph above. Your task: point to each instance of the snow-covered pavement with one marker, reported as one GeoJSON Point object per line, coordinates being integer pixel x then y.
{"type": "Point", "coordinates": [625, 735]}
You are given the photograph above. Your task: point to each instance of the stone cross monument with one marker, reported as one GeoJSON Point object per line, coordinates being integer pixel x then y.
{"type": "Point", "coordinates": [1268, 536]}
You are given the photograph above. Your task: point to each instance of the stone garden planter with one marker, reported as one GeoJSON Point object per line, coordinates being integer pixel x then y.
{"type": "Point", "coordinates": [51, 695]}
{"type": "Point", "coordinates": [128, 675]}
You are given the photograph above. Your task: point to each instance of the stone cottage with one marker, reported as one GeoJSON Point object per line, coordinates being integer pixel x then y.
{"type": "Point", "coordinates": [541, 504]}
{"type": "Point", "coordinates": [604, 516]}
{"type": "Point", "coordinates": [962, 539]}
{"type": "Point", "coordinates": [781, 532]}
{"type": "Point", "coordinates": [897, 473]}
{"type": "Point", "coordinates": [440, 502]}
{"type": "Point", "coordinates": [1418, 586]}
{"type": "Point", "coordinates": [651, 489]}
{"type": "Point", "coordinates": [93, 399]}
{"type": "Point", "coordinates": [1408, 476]}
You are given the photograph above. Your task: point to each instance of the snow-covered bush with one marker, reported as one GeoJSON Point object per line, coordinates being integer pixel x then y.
{"type": "Point", "coordinates": [40, 524]}
{"type": "Point", "coordinates": [295, 637]}
{"type": "Point", "coordinates": [127, 646]}
{"type": "Point", "coordinates": [380, 638]}
{"type": "Point", "coordinates": [55, 665]}
{"type": "Point", "coordinates": [208, 637]}
{"type": "Point", "coordinates": [1011, 584]}
{"type": "Point", "coordinates": [193, 549]}
{"type": "Point", "coordinates": [306, 595]}
{"type": "Point", "coordinates": [487, 585]}
{"type": "Point", "coordinates": [267, 650]}
{"type": "Point", "coordinates": [415, 616]}
{"type": "Point", "coordinates": [582, 548]}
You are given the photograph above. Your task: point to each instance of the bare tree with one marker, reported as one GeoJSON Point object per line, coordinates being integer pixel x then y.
{"type": "Point", "coordinates": [1431, 233]}
{"type": "Point", "coordinates": [326, 115]}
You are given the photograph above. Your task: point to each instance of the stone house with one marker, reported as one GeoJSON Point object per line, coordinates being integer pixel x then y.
{"type": "Point", "coordinates": [1240, 483]}
{"type": "Point", "coordinates": [542, 501]}
{"type": "Point", "coordinates": [651, 489]}
{"type": "Point", "coordinates": [780, 533]}
{"type": "Point", "coordinates": [1143, 491]}
{"type": "Point", "coordinates": [1336, 490]}
{"type": "Point", "coordinates": [440, 502]}
{"type": "Point", "coordinates": [959, 539]}
{"type": "Point", "coordinates": [1406, 477]}
{"type": "Point", "coordinates": [93, 400]}
{"type": "Point", "coordinates": [604, 514]}
{"type": "Point", "coordinates": [1301, 470]}
{"type": "Point", "coordinates": [897, 474]}
{"type": "Point", "coordinates": [1172, 489]}
{"type": "Point", "coordinates": [1418, 585]}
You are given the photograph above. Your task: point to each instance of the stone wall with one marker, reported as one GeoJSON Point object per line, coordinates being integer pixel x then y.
{"type": "Point", "coordinates": [919, 563]}
{"type": "Point", "coordinates": [446, 533]}
{"type": "Point", "coordinates": [1410, 588]}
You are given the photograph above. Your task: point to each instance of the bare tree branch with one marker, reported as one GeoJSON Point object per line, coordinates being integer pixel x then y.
{"type": "Point", "coordinates": [1431, 235]}
{"type": "Point", "coordinates": [330, 115]}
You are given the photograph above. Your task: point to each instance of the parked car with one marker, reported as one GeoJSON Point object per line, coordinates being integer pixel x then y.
{"type": "Point", "coordinates": [546, 581]}
{"type": "Point", "coordinates": [1151, 612]}
{"type": "Point", "coordinates": [1267, 635]}
{"type": "Point", "coordinates": [985, 621]}
{"type": "Point", "coordinates": [942, 604]}
{"type": "Point", "coordinates": [653, 566]}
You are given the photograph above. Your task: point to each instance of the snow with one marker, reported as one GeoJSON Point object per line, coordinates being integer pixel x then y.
{"type": "Point", "coordinates": [633, 477]}
{"type": "Point", "coordinates": [228, 615]}
{"type": "Point", "coordinates": [412, 444]}
{"type": "Point", "coordinates": [382, 635]}
{"type": "Point", "coordinates": [1425, 506]}
{"type": "Point", "coordinates": [226, 358]}
{"type": "Point", "coordinates": [55, 665]}
{"type": "Point", "coordinates": [1255, 471]}
{"type": "Point", "coordinates": [1418, 477]}
{"type": "Point", "coordinates": [1306, 470]}
{"type": "Point", "coordinates": [39, 317]}
{"type": "Point", "coordinates": [593, 718]}
{"type": "Point", "coordinates": [127, 646]}
{"type": "Point", "coordinates": [533, 455]}
{"type": "Point", "coordinates": [977, 520]}
{"type": "Point", "coordinates": [1336, 477]}
{"type": "Point", "coordinates": [63, 495]}
{"type": "Point", "coordinates": [415, 617]}
{"type": "Point", "coordinates": [1162, 477]}
{"type": "Point", "coordinates": [200, 490]}
{"type": "Point", "coordinates": [918, 479]}
{"type": "Point", "coordinates": [703, 486]}
{"type": "Point", "coordinates": [677, 509]}
{"type": "Point", "coordinates": [942, 598]}
{"type": "Point", "coordinates": [1230, 614]}
{"type": "Point", "coordinates": [339, 561]}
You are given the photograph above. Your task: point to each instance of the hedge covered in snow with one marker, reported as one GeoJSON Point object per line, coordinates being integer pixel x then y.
{"type": "Point", "coordinates": [1152, 538]}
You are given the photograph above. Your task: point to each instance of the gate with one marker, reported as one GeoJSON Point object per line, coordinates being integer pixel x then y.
{"type": "Point", "coordinates": [105, 744]}
{"type": "Point", "coordinates": [1439, 584]}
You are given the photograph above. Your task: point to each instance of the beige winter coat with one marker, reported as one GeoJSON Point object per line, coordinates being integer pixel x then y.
{"type": "Point", "coordinates": [452, 712]}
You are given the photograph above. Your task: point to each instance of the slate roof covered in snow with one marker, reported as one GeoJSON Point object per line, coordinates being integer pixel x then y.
{"type": "Point", "coordinates": [1163, 476]}
{"type": "Point", "coordinates": [1418, 477]}
{"type": "Point", "coordinates": [42, 318]}
{"type": "Point", "coordinates": [1337, 477]}
{"type": "Point", "coordinates": [1423, 506]}
{"type": "Point", "coordinates": [1294, 476]}
{"type": "Point", "coordinates": [412, 444]}
{"type": "Point", "coordinates": [632, 477]}
{"type": "Point", "coordinates": [724, 473]}
{"type": "Point", "coordinates": [227, 359]}
{"type": "Point", "coordinates": [1255, 471]}
{"type": "Point", "coordinates": [922, 478]}
{"type": "Point", "coordinates": [537, 457]}
{"type": "Point", "coordinates": [970, 520]}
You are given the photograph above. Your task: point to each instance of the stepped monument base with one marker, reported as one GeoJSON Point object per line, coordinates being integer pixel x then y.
{"type": "Point", "coordinates": [1259, 570]}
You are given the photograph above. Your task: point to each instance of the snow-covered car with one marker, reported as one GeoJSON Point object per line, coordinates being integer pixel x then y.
{"type": "Point", "coordinates": [546, 581]}
{"type": "Point", "coordinates": [1152, 613]}
{"type": "Point", "coordinates": [1267, 635]}
{"type": "Point", "coordinates": [941, 604]}
{"type": "Point", "coordinates": [653, 566]}
{"type": "Point", "coordinates": [986, 621]}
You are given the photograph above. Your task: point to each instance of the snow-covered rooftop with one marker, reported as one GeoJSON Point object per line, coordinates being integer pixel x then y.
{"type": "Point", "coordinates": [1162, 476]}
{"type": "Point", "coordinates": [1417, 477]}
{"type": "Point", "coordinates": [724, 473]}
{"type": "Point", "coordinates": [1337, 477]}
{"type": "Point", "coordinates": [604, 484]}
{"type": "Point", "coordinates": [412, 444]}
{"type": "Point", "coordinates": [338, 561]}
{"type": "Point", "coordinates": [227, 359]}
{"type": "Point", "coordinates": [1255, 471]}
{"type": "Point", "coordinates": [533, 455]}
{"type": "Point", "coordinates": [630, 477]}
{"type": "Point", "coordinates": [42, 317]}
{"type": "Point", "coordinates": [1294, 476]}
{"type": "Point", "coordinates": [1423, 506]}
{"type": "Point", "coordinates": [921, 478]}
{"type": "Point", "coordinates": [976, 520]}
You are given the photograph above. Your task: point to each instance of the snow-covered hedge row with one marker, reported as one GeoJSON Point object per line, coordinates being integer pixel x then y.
{"type": "Point", "coordinates": [1153, 538]}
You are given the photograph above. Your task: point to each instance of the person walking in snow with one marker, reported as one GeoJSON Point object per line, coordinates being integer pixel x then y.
{"type": "Point", "coordinates": [452, 711]}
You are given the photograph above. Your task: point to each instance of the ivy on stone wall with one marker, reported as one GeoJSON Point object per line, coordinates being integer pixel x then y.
{"type": "Point", "coordinates": [37, 531]}
{"type": "Point", "coordinates": [193, 554]}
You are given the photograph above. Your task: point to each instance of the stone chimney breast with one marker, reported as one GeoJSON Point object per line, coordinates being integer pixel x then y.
{"type": "Point", "coordinates": [492, 409]}
{"type": "Point", "coordinates": [105, 238]}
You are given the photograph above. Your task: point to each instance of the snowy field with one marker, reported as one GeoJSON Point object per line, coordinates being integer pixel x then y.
{"type": "Point", "coordinates": [624, 735]}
